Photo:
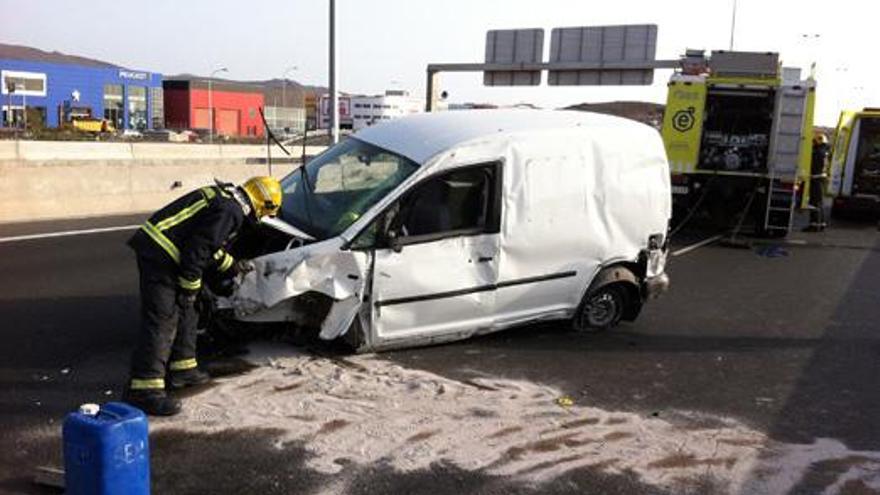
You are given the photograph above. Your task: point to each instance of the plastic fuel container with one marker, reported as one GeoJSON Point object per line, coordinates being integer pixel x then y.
{"type": "Point", "coordinates": [106, 451]}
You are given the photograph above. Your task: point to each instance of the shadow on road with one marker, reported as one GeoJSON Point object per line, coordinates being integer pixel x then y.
{"type": "Point", "coordinates": [837, 394]}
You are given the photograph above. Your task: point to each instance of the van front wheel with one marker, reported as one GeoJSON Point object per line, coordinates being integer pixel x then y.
{"type": "Point", "coordinates": [603, 308]}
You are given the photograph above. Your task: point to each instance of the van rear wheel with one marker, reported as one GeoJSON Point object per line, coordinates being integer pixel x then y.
{"type": "Point", "coordinates": [602, 309]}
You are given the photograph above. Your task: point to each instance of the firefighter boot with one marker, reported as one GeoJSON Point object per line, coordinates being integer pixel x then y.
{"type": "Point", "coordinates": [153, 402]}
{"type": "Point", "coordinates": [187, 378]}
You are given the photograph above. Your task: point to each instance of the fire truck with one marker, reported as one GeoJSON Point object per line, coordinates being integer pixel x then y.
{"type": "Point", "coordinates": [738, 135]}
{"type": "Point", "coordinates": [855, 162]}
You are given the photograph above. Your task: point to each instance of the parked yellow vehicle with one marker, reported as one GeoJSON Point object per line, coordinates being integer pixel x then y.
{"type": "Point", "coordinates": [855, 161]}
{"type": "Point", "coordinates": [93, 125]}
{"type": "Point", "coordinates": [737, 131]}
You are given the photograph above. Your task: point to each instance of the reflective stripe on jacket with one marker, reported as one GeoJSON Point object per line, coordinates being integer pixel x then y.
{"type": "Point", "coordinates": [191, 233]}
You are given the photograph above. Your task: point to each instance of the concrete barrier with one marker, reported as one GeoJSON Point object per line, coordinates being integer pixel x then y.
{"type": "Point", "coordinates": [56, 180]}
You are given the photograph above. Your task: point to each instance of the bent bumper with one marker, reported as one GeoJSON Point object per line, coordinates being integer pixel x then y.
{"type": "Point", "coordinates": [654, 287]}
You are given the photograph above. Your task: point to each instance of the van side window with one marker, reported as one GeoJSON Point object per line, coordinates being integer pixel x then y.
{"type": "Point", "coordinates": [460, 202]}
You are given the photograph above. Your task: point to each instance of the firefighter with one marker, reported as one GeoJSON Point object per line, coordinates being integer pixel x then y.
{"type": "Point", "coordinates": [817, 183]}
{"type": "Point", "coordinates": [176, 248]}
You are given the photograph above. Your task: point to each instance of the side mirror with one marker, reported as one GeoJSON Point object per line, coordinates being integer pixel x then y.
{"type": "Point", "coordinates": [393, 239]}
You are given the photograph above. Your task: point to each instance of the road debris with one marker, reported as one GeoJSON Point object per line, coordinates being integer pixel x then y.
{"type": "Point", "coordinates": [772, 251]}
{"type": "Point", "coordinates": [371, 410]}
{"type": "Point", "coordinates": [565, 401]}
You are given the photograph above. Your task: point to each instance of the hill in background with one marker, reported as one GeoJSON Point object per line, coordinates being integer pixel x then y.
{"type": "Point", "coordinates": [274, 88]}
{"type": "Point", "coordinates": [20, 52]}
{"type": "Point", "coordinates": [642, 111]}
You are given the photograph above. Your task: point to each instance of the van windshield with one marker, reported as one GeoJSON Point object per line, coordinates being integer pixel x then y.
{"type": "Point", "coordinates": [337, 187]}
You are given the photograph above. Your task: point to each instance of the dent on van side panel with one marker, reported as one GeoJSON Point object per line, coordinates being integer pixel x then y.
{"type": "Point", "coordinates": [572, 206]}
{"type": "Point", "coordinates": [544, 229]}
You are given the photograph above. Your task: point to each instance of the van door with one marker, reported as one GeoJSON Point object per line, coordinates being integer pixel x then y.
{"type": "Point", "coordinates": [437, 273]}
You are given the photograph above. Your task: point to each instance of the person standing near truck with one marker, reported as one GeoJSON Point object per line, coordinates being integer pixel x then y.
{"type": "Point", "coordinates": [176, 248]}
{"type": "Point", "coordinates": [818, 178]}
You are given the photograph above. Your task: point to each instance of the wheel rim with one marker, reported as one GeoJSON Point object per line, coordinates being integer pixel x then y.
{"type": "Point", "coordinates": [602, 309]}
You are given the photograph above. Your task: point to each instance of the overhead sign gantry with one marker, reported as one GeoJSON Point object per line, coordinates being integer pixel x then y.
{"type": "Point", "coordinates": [579, 56]}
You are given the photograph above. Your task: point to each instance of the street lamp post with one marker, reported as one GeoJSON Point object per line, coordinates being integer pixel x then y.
{"type": "Point", "coordinates": [211, 104]}
{"type": "Point", "coordinates": [10, 117]}
{"type": "Point", "coordinates": [811, 40]}
{"type": "Point", "coordinates": [284, 88]}
{"type": "Point", "coordinates": [23, 104]}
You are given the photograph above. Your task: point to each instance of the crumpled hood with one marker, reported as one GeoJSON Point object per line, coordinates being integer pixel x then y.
{"type": "Point", "coordinates": [321, 267]}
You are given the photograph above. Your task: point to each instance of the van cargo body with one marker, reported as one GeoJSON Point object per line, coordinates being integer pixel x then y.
{"type": "Point", "coordinates": [461, 223]}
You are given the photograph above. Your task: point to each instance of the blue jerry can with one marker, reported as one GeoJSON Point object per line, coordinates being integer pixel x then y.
{"type": "Point", "coordinates": [106, 451]}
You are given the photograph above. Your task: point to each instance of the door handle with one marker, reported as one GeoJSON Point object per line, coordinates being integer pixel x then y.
{"type": "Point", "coordinates": [485, 259]}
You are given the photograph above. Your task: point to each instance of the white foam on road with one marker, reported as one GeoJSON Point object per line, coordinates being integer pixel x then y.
{"type": "Point", "coordinates": [67, 233]}
{"type": "Point", "coordinates": [366, 410]}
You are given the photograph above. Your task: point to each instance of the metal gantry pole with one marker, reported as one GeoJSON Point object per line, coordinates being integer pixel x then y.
{"type": "Point", "coordinates": [732, 25]}
{"type": "Point", "coordinates": [334, 96]}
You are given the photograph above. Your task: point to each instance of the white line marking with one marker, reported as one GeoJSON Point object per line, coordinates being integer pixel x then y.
{"type": "Point", "coordinates": [704, 242]}
{"type": "Point", "coordinates": [66, 233]}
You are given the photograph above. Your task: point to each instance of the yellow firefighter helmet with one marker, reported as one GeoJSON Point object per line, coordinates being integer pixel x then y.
{"type": "Point", "coordinates": [265, 195]}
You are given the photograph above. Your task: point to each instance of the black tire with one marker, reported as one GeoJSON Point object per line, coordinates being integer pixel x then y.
{"type": "Point", "coordinates": [601, 309]}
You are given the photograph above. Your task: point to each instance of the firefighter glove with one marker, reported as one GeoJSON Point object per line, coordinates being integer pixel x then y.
{"type": "Point", "coordinates": [244, 266]}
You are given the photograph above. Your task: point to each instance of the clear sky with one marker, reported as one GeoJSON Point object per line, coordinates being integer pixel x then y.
{"type": "Point", "coordinates": [388, 43]}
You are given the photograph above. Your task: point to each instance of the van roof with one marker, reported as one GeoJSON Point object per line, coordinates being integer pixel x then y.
{"type": "Point", "coordinates": [420, 137]}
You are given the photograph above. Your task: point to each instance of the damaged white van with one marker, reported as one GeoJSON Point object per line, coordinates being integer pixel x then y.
{"type": "Point", "coordinates": [441, 226]}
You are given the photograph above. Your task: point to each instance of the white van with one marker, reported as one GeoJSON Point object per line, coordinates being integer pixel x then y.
{"type": "Point", "coordinates": [440, 226]}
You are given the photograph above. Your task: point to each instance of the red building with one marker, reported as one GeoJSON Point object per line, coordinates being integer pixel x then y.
{"type": "Point", "coordinates": [236, 106]}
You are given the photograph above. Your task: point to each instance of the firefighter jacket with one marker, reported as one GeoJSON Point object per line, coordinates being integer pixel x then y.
{"type": "Point", "coordinates": [818, 161]}
{"type": "Point", "coordinates": [191, 233]}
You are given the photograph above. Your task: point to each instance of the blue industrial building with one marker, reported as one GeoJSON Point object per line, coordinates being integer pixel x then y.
{"type": "Point", "coordinates": [59, 92]}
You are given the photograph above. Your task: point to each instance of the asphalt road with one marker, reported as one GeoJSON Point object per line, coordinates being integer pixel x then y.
{"type": "Point", "coordinates": [789, 345]}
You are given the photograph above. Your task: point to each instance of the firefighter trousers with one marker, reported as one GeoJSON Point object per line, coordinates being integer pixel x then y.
{"type": "Point", "coordinates": [167, 335]}
{"type": "Point", "coordinates": [817, 210]}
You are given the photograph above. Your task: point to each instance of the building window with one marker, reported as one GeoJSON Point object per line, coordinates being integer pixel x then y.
{"type": "Point", "coordinates": [113, 108]}
{"type": "Point", "coordinates": [23, 83]}
{"type": "Point", "coordinates": [157, 107]}
{"type": "Point", "coordinates": [137, 107]}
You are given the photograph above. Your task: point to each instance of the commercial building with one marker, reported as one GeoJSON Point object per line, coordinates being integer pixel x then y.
{"type": "Point", "coordinates": [369, 110]}
{"type": "Point", "coordinates": [360, 111]}
{"type": "Point", "coordinates": [285, 110]}
{"type": "Point", "coordinates": [323, 115]}
{"type": "Point", "coordinates": [190, 104]}
{"type": "Point", "coordinates": [55, 93]}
